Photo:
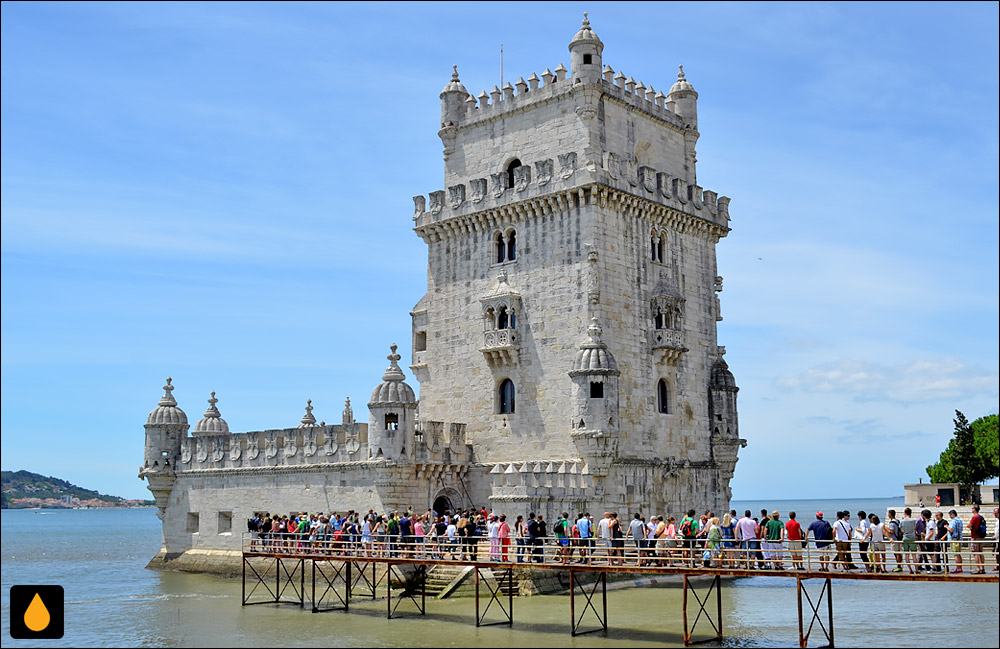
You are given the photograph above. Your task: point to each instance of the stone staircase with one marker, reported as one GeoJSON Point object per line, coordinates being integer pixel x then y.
{"type": "Point", "coordinates": [459, 581]}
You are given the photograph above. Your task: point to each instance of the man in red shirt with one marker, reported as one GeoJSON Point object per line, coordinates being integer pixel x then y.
{"type": "Point", "coordinates": [794, 533]}
{"type": "Point", "coordinates": [977, 530]}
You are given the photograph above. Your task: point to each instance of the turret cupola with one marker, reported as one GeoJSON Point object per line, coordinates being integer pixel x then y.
{"type": "Point", "coordinates": [683, 99]}
{"type": "Point", "coordinates": [166, 411]}
{"type": "Point", "coordinates": [309, 419]}
{"type": "Point", "coordinates": [585, 54]}
{"type": "Point", "coordinates": [212, 423]}
{"type": "Point", "coordinates": [453, 100]}
{"type": "Point", "coordinates": [392, 414]}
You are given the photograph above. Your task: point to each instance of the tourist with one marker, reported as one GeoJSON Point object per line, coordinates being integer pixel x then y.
{"type": "Point", "coordinates": [440, 537]}
{"type": "Point", "coordinates": [924, 531]}
{"type": "Point", "coordinates": [534, 538]}
{"type": "Point", "coordinates": [574, 541]}
{"type": "Point", "coordinates": [713, 542]}
{"type": "Point", "coordinates": [561, 530]}
{"type": "Point", "coordinates": [746, 533]}
{"type": "Point", "coordinates": [823, 535]}
{"type": "Point", "coordinates": [941, 542]}
{"type": "Point", "coordinates": [793, 532]}
{"type": "Point", "coordinates": [728, 528]}
{"type": "Point", "coordinates": [689, 532]}
{"type": "Point", "coordinates": [908, 529]}
{"type": "Point", "coordinates": [492, 533]}
{"type": "Point", "coordinates": [503, 533]}
{"type": "Point", "coordinates": [604, 534]}
{"type": "Point", "coordinates": [774, 535]}
{"type": "Point", "coordinates": [366, 536]}
{"type": "Point", "coordinates": [419, 532]}
{"type": "Point", "coordinates": [996, 544]}
{"type": "Point", "coordinates": [542, 534]}
{"type": "Point", "coordinates": [520, 537]}
{"type": "Point", "coordinates": [977, 532]}
{"type": "Point", "coordinates": [894, 538]}
{"type": "Point", "coordinates": [465, 527]}
{"type": "Point", "coordinates": [875, 537]}
{"type": "Point", "coordinates": [585, 527]}
{"type": "Point", "coordinates": [617, 540]}
{"type": "Point", "coordinates": [452, 532]}
{"type": "Point", "coordinates": [860, 532]}
{"type": "Point", "coordinates": [637, 533]}
{"type": "Point", "coordinates": [955, 536]}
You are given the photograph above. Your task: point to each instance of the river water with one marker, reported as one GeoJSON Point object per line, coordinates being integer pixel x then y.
{"type": "Point", "coordinates": [99, 557]}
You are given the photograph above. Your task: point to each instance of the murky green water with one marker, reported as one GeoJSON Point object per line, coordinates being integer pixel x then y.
{"type": "Point", "coordinates": [98, 557]}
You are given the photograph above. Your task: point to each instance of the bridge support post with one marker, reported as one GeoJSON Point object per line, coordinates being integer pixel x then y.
{"type": "Point", "coordinates": [825, 592]}
{"type": "Point", "coordinates": [703, 606]}
{"type": "Point", "coordinates": [496, 595]}
{"type": "Point", "coordinates": [588, 596]}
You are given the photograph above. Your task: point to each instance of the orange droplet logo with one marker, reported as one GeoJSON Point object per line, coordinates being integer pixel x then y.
{"type": "Point", "coordinates": [37, 616]}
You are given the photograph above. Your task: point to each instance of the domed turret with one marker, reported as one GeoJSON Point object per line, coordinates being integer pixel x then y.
{"type": "Point", "coordinates": [722, 378]}
{"type": "Point", "coordinates": [392, 414]}
{"type": "Point", "coordinates": [593, 356]}
{"type": "Point", "coordinates": [453, 98]}
{"type": "Point", "coordinates": [212, 423]}
{"type": "Point", "coordinates": [167, 411]}
{"type": "Point", "coordinates": [585, 54]}
{"type": "Point", "coordinates": [309, 419]}
{"type": "Point", "coordinates": [595, 386]}
{"type": "Point", "coordinates": [683, 99]}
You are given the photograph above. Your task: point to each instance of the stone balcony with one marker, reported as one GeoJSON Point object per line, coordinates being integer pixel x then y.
{"type": "Point", "coordinates": [669, 343]}
{"type": "Point", "coordinates": [500, 347]}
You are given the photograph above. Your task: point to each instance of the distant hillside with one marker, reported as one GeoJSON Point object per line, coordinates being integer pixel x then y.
{"type": "Point", "coordinates": [25, 484]}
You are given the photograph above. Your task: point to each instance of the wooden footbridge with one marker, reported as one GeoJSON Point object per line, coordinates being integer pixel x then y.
{"type": "Point", "coordinates": [275, 572]}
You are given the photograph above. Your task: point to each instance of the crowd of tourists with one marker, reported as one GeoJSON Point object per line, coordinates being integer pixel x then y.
{"type": "Point", "coordinates": [925, 542]}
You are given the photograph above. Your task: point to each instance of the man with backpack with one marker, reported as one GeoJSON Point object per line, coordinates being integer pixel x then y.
{"type": "Point", "coordinates": [689, 532]}
{"type": "Point", "coordinates": [977, 531]}
{"type": "Point", "coordinates": [894, 533]}
{"type": "Point", "coordinates": [561, 529]}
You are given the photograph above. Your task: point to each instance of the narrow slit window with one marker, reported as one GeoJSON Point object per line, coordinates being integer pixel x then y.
{"type": "Point", "coordinates": [506, 397]}
{"type": "Point", "coordinates": [663, 397]}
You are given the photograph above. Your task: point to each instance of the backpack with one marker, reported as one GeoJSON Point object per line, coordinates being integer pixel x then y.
{"type": "Point", "coordinates": [896, 530]}
{"type": "Point", "coordinates": [979, 527]}
{"type": "Point", "coordinates": [560, 527]}
{"type": "Point", "coordinates": [686, 530]}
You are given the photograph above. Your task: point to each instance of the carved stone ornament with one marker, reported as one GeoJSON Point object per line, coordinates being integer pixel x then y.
{"type": "Point", "coordinates": [290, 445]}
{"type": "Point", "coordinates": [253, 446]}
{"type": "Point", "coordinates": [630, 169]}
{"type": "Point", "coordinates": [498, 184]}
{"type": "Point", "coordinates": [567, 164]}
{"type": "Point", "coordinates": [680, 190]}
{"type": "Point", "coordinates": [235, 449]}
{"type": "Point", "coordinates": [663, 184]}
{"type": "Point", "coordinates": [477, 188]}
{"type": "Point", "coordinates": [270, 445]}
{"type": "Point", "coordinates": [218, 449]}
{"type": "Point", "coordinates": [647, 177]}
{"type": "Point", "coordinates": [202, 452]}
{"type": "Point", "coordinates": [456, 196]}
{"type": "Point", "coordinates": [419, 204]}
{"type": "Point", "coordinates": [587, 111]}
{"type": "Point", "coordinates": [309, 441]}
{"type": "Point", "coordinates": [330, 444]}
{"type": "Point", "coordinates": [543, 172]}
{"type": "Point", "coordinates": [522, 178]}
{"type": "Point", "coordinates": [613, 165]}
{"type": "Point", "coordinates": [186, 450]}
{"type": "Point", "coordinates": [437, 201]}
{"type": "Point", "coordinates": [352, 445]}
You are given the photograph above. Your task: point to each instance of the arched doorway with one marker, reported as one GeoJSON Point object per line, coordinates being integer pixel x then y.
{"type": "Point", "coordinates": [442, 504]}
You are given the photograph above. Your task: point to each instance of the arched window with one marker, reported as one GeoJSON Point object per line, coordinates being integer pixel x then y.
{"type": "Point", "coordinates": [596, 390]}
{"type": "Point", "coordinates": [506, 397]}
{"type": "Point", "coordinates": [652, 247]}
{"type": "Point", "coordinates": [502, 320]}
{"type": "Point", "coordinates": [392, 421]}
{"type": "Point", "coordinates": [511, 245]}
{"type": "Point", "coordinates": [659, 248]}
{"type": "Point", "coordinates": [514, 164]}
{"type": "Point", "coordinates": [491, 319]}
{"type": "Point", "coordinates": [501, 248]}
{"type": "Point", "coordinates": [663, 397]}
{"type": "Point", "coordinates": [661, 320]}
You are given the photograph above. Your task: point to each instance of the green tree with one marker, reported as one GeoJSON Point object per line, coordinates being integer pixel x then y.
{"type": "Point", "coordinates": [972, 454]}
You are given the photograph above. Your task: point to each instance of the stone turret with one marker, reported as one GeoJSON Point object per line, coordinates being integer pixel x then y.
{"type": "Point", "coordinates": [165, 427]}
{"type": "Point", "coordinates": [212, 423]}
{"type": "Point", "coordinates": [585, 54]}
{"type": "Point", "coordinates": [595, 423]}
{"type": "Point", "coordinates": [392, 414]}
{"type": "Point", "coordinates": [684, 100]}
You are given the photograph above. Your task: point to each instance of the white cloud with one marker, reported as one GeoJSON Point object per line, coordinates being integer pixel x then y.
{"type": "Point", "coordinates": [916, 382]}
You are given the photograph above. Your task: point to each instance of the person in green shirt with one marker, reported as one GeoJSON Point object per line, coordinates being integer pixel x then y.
{"type": "Point", "coordinates": [689, 534]}
{"type": "Point", "coordinates": [774, 534]}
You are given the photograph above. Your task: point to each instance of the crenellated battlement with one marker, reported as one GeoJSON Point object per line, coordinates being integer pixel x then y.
{"type": "Point", "coordinates": [556, 182]}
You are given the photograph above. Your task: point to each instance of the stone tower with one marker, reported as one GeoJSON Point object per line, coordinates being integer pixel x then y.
{"type": "Point", "coordinates": [572, 212]}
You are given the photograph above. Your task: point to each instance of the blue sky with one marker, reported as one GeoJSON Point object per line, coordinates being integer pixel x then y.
{"type": "Point", "coordinates": [222, 193]}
